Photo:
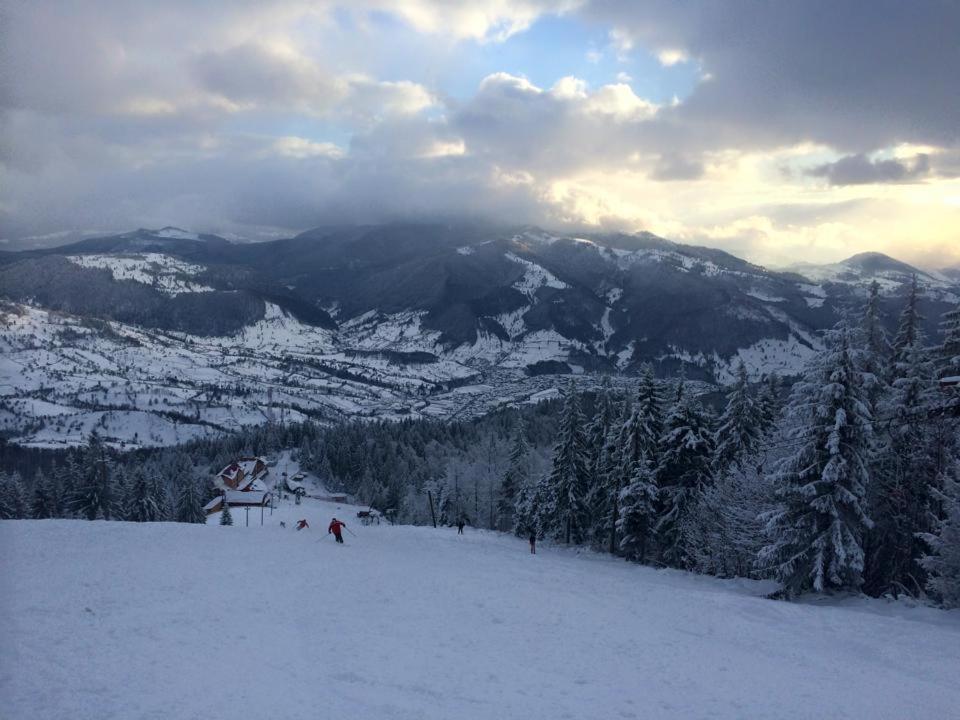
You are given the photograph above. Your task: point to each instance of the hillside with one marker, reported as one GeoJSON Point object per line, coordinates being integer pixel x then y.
{"type": "Point", "coordinates": [116, 620]}
{"type": "Point", "coordinates": [154, 337]}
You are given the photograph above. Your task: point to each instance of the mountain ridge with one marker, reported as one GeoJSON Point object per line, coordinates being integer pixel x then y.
{"type": "Point", "coordinates": [397, 315]}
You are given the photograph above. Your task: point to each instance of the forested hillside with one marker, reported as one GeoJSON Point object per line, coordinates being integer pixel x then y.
{"type": "Point", "coordinates": [847, 481]}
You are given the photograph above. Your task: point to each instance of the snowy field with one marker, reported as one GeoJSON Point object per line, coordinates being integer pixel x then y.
{"type": "Point", "coordinates": [117, 620]}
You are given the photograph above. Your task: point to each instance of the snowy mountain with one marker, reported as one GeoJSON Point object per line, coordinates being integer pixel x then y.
{"type": "Point", "coordinates": [158, 336]}
{"type": "Point", "coordinates": [414, 622]}
{"type": "Point", "coordinates": [862, 269]}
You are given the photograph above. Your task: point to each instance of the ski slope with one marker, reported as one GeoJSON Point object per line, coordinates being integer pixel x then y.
{"type": "Point", "coordinates": [117, 620]}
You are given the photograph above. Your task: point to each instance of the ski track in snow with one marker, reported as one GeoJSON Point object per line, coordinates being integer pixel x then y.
{"type": "Point", "coordinates": [118, 620]}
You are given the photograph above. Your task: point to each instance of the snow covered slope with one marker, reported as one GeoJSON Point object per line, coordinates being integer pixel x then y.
{"type": "Point", "coordinates": [157, 336]}
{"type": "Point", "coordinates": [166, 273]}
{"type": "Point", "coordinates": [117, 621]}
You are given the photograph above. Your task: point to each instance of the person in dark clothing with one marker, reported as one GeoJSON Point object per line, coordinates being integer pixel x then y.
{"type": "Point", "coordinates": [533, 543]}
{"type": "Point", "coordinates": [301, 524]}
{"type": "Point", "coordinates": [336, 527]}
{"type": "Point", "coordinates": [460, 524]}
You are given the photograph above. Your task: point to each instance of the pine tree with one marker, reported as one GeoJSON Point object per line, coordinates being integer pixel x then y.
{"type": "Point", "coordinates": [903, 493]}
{"type": "Point", "coordinates": [13, 505]}
{"type": "Point", "coordinates": [226, 517]}
{"type": "Point", "coordinates": [543, 507]}
{"type": "Point", "coordinates": [735, 499]}
{"type": "Point", "coordinates": [568, 478]}
{"type": "Point", "coordinates": [600, 499]}
{"type": "Point", "coordinates": [94, 494]}
{"type": "Point", "coordinates": [943, 563]}
{"type": "Point", "coordinates": [907, 329]}
{"type": "Point", "coordinates": [876, 346]}
{"type": "Point", "coordinates": [769, 404]}
{"type": "Point", "coordinates": [684, 475]}
{"type": "Point", "coordinates": [637, 444]}
{"type": "Point", "coordinates": [816, 532]}
{"type": "Point", "coordinates": [739, 428]}
{"type": "Point", "coordinates": [142, 502]}
{"type": "Point", "coordinates": [189, 504]}
{"type": "Point", "coordinates": [45, 502]}
{"type": "Point", "coordinates": [524, 512]}
{"type": "Point", "coordinates": [947, 354]}
{"type": "Point", "coordinates": [515, 478]}
{"type": "Point", "coordinates": [617, 475]}
{"type": "Point", "coordinates": [637, 512]}
{"type": "Point", "coordinates": [645, 427]}
{"type": "Point", "coordinates": [71, 481]}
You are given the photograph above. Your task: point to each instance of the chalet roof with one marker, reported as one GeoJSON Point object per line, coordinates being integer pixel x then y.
{"type": "Point", "coordinates": [247, 465]}
{"type": "Point", "coordinates": [213, 503]}
{"type": "Point", "coordinates": [230, 471]}
{"type": "Point", "coordinates": [255, 497]}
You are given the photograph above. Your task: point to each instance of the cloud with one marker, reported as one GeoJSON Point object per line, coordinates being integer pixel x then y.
{"type": "Point", "coordinates": [861, 170]}
{"type": "Point", "coordinates": [259, 117]}
{"type": "Point", "coordinates": [484, 20]}
{"type": "Point", "coordinates": [837, 72]}
{"type": "Point", "coordinates": [669, 58]}
{"type": "Point", "coordinates": [676, 167]}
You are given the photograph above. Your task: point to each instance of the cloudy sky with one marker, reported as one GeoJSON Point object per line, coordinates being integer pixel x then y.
{"type": "Point", "coordinates": [778, 131]}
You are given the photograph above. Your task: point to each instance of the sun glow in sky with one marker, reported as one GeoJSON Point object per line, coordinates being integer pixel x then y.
{"type": "Point", "coordinates": [780, 132]}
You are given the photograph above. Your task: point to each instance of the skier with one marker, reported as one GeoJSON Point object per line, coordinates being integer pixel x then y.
{"type": "Point", "coordinates": [460, 524]}
{"type": "Point", "coordinates": [336, 527]}
{"type": "Point", "coordinates": [301, 524]}
{"type": "Point", "coordinates": [533, 542]}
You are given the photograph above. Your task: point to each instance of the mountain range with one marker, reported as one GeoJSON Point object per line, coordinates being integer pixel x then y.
{"type": "Point", "coordinates": [156, 336]}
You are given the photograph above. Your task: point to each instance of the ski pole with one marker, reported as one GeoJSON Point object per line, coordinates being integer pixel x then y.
{"type": "Point", "coordinates": [349, 530]}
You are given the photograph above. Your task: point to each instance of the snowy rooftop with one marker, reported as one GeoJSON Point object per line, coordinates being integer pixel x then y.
{"type": "Point", "coordinates": [252, 497]}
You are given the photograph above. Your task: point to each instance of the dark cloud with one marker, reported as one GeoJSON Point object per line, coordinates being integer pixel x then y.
{"type": "Point", "coordinates": [677, 167]}
{"type": "Point", "coordinates": [861, 170]}
{"type": "Point", "coordinates": [856, 76]}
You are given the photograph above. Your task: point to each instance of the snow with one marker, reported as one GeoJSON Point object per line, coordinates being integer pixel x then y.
{"type": "Point", "coordinates": [512, 322]}
{"type": "Point", "coordinates": [250, 497]}
{"type": "Point", "coordinates": [765, 297]}
{"type": "Point", "coordinates": [163, 272]}
{"type": "Point", "coordinates": [176, 234]}
{"type": "Point", "coordinates": [154, 388]}
{"type": "Point", "coordinates": [784, 357]}
{"type": "Point", "coordinates": [118, 620]}
{"type": "Point", "coordinates": [535, 277]}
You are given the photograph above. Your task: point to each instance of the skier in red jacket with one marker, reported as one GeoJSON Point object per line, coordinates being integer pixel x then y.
{"type": "Point", "coordinates": [301, 524]}
{"type": "Point", "coordinates": [336, 527]}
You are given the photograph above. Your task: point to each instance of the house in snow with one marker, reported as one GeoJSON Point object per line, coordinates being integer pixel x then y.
{"type": "Point", "coordinates": [243, 475]}
{"type": "Point", "coordinates": [241, 484]}
{"type": "Point", "coordinates": [238, 499]}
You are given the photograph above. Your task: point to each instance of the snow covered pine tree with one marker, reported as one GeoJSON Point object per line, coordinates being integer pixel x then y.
{"type": "Point", "coordinates": [684, 474]}
{"type": "Point", "coordinates": [816, 532]}
{"type": "Point", "coordinates": [568, 480]}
